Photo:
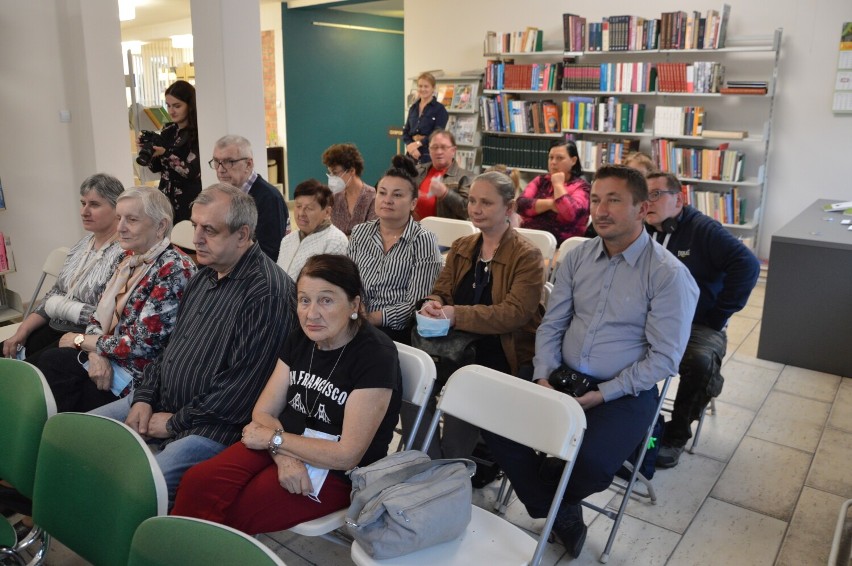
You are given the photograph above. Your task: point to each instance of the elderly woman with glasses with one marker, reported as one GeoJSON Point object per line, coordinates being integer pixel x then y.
{"type": "Point", "coordinates": [136, 313]}
{"type": "Point", "coordinates": [443, 186]}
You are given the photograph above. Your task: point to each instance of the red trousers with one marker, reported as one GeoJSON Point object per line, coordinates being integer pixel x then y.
{"type": "Point", "coordinates": [239, 488]}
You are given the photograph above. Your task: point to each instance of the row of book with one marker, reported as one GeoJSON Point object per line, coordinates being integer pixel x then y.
{"type": "Point", "coordinates": [727, 208]}
{"type": "Point", "coordinates": [672, 30]}
{"type": "Point", "coordinates": [602, 114]}
{"type": "Point", "coordinates": [527, 41]}
{"type": "Point", "coordinates": [459, 96]}
{"type": "Point", "coordinates": [678, 121]}
{"type": "Point", "coordinates": [720, 164]}
{"type": "Point", "coordinates": [505, 113]}
{"type": "Point", "coordinates": [7, 258]}
{"type": "Point", "coordinates": [699, 77]}
{"type": "Point", "coordinates": [593, 154]}
{"type": "Point", "coordinates": [526, 153]}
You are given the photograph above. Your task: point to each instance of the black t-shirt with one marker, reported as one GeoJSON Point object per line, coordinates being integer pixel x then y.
{"type": "Point", "coordinates": [319, 389]}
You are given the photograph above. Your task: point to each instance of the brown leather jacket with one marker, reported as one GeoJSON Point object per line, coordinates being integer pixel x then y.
{"type": "Point", "coordinates": [458, 180]}
{"type": "Point", "coordinates": [517, 284]}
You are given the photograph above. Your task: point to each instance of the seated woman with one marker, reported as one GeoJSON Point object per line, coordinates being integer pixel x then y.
{"type": "Point", "coordinates": [558, 202]}
{"type": "Point", "coordinates": [135, 315]}
{"type": "Point", "coordinates": [316, 233]}
{"type": "Point", "coordinates": [69, 304]}
{"type": "Point", "coordinates": [491, 285]}
{"type": "Point", "coordinates": [354, 200]}
{"type": "Point", "coordinates": [331, 404]}
{"type": "Point", "coordinates": [398, 259]}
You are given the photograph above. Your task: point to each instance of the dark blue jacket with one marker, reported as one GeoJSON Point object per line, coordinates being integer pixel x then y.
{"type": "Point", "coordinates": [722, 266]}
{"type": "Point", "coordinates": [434, 116]}
{"type": "Point", "coordinates": [272, 217]}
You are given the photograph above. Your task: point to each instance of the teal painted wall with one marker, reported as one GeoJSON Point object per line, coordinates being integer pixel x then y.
{"type": "Point", "coordinates": [340, 86]}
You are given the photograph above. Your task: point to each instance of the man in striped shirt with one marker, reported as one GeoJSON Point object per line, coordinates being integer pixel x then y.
{"type": "Point", "coordinates": [192, 401]}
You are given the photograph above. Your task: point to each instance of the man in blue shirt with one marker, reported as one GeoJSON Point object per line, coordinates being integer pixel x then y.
{"type": "Point", "coordinates": [619, 314]}
{"type": "Point", "coordinates": [726, 272]}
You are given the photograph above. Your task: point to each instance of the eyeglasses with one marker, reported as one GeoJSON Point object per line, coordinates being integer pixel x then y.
{"type": "Point", "coordinates": [228, 164]}
{"type": "Point", "coordinates": [440, 147]}
{"type": "Point", "coordinates": [654, 196]}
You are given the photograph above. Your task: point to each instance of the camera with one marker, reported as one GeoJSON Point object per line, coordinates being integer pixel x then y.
{"type": "Point", "coordinates": [147, 141]}
{"type": "Point", "coordinates": [566, 380]}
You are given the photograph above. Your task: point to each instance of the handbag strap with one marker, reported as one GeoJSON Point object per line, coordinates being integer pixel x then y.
{"type": "Point", "coordinates": [393, 478]}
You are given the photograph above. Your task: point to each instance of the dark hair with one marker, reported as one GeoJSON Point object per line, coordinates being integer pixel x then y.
{"type": "Point", "coordinates": [571, 148]}
{"type": "Point", "coordinates": [672, 182]}
{"type": "Point", "coordinates": [346, 155]}
{"type": "Point", "coordinates": [338, 270]}
{"type": "Point", "coordinates": [403, 167]}
{"type": "Point", "coordinates": [185, 92]}
{"type": "Point", "coordinates": [442, 132]}
{"type": "Point", "coordinates": [634, 179]}
{"type": "Point", "coordinates": [313, 188]}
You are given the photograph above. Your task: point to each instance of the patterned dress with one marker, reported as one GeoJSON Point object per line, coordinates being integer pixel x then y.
{"type": "Point", "coordinates": [179, 168]}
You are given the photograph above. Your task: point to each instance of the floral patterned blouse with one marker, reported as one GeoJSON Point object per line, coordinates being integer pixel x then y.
{"type": "Point", "coordinates": [149, 315]}
{"type": "Point", "coordinates": [179, 168]}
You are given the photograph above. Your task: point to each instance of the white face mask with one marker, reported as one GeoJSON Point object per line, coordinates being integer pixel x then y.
{"type": "Point", "coordinates": [335, 183]}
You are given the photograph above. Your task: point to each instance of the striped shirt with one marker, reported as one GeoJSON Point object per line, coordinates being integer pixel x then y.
{"type": "Point", "coordinates": [223, 348]}
{"type": "Point", "coordinates": [393, 282]}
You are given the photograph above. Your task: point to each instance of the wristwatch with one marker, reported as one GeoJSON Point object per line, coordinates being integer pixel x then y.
{"type": "Point", "coordinates": [78, 341]}
{"type": "Point", "coordinates": [276, 441]}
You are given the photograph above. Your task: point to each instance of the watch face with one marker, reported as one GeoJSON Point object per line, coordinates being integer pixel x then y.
{"type": "Point", "coordinates": [277, 440]}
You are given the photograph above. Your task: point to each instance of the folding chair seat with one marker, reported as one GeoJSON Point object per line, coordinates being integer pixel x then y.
{"type": "Point", "coordinates": [545, 242]}
{"type": "Point", "coordinates": [163, 541]}
{"type": "Point", "coordinates": [52, 266]}
{"type": "Point", "coordinates": [182, 235]}
{"type": "Point", "coordinates": [25, 405]}
{"type": "Point", "coordinates": [565, 247]}
{"type": "Point", "coordinates": [546, 420]}
{"type": "Point", "coordinates": [95, 482]}
{"type": "Point", "coordinates": [418, 377]}
{"type": "Point", "coordinates": [448, 230]}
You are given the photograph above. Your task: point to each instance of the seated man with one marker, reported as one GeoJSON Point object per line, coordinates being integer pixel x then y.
{"type": "Point", "coordinates": [193, 400]}
{"type": "Point", "coordinates": [443, 186]}
{"type": "Point", "coordinates": [617, 313]}
{"type": "Point", "coordinates": [234, 164]}
{"type": "Point", "coordinates": [726, 272]}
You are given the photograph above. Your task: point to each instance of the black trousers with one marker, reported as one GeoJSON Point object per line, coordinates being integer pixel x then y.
{"type": "Point", "coordinates": [70, 383]}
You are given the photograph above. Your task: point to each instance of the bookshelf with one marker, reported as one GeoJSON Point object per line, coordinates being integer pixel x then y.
{"type": "Point", "coordinates": [746, 117]}
{"type": "Point", "coordinates": [459, 95]}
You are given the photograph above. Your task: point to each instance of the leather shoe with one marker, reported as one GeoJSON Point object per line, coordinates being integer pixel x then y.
{"type": "Point", "coordinates": [668, 456]}
{"type": "Point", "coordinates": [570, 529]}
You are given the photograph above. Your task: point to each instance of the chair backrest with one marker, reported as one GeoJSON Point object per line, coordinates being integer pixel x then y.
{"type": "Point", "coordinates": [52, 266]}
{"type": "Point", "coordinates": [543, 240]}
{"type": "Point", "coordinates": [95, 482]}
{"type": "Point", "coordinates": [545, 293]}
{"type": "Point", "coordinates": [163, 541]}
{"type": "Point", "coordinates": [26, 403]}
{"type": "Point", "coordinates": [447, 230]}
{"type": "Point", "coordinates": [418, 378]}
{"type": "Point", "coordinates": [565, 247]}
{"type": "Point", "coordinates": [182, 234]}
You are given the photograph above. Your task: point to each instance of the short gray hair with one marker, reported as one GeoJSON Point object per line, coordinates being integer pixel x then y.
{"type": "Point", "coordinates": [107, 187]}
{"type": "Point", "coordinates": [154, 203]}
{"type": "Point", "coordinates": [500, 181]}
{"type": "Point", "coordinates": [242, 144]}
{"type": "Point", "coordinates": [242, 212]}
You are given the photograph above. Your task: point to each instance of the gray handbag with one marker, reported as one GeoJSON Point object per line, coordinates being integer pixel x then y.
{"type": "Point", "coordinates": [407, 501]}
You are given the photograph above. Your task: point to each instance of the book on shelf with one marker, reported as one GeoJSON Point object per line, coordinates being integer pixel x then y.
{"type": "Point", "coordinates": [463, 96]}
{"type": "Point", "coordinates": [743, 90]}
{"type": "Point", "coordinates": [550, 113]}
{"type": "Point", "coordinates": [725, 134]}
{"type": "Point", "coordinates": [678, 120]}
{"type": "Point", "coordinates": [602, 114]}
{"type": "Point", "coordinates": [445, 94]}
{"type": "Point", "coordinates": [593, 154]}
{"type": "Point", "coordinates": [574, 32]}
{"type": "Point", "coordinates": [527, 41]}
{"type": "Point", "coordinates": [706, 164]}
{"type": "Point", "coordinates": [463, 128]}
{"type": "Point", "coordinates": [524, 153]}
{"type": "Point", "coordinates": [7, 258]}
{"type": "Point", "coordinates": [727, 207]}
{"type": "Point", "coordinates": [698, 76]}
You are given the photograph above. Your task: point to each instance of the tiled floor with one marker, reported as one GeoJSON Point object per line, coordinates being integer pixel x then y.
{"type": "Point", "coordinates": [764, 486]}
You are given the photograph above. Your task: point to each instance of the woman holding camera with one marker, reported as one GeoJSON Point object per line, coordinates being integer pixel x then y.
{"type": "Point", "coordinates": [175, 154]}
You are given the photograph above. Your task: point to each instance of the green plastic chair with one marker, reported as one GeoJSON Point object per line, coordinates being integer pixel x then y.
{"type": "Point", "coordinates": [164, 541]}
{"type": "Point", "coordinates": [25, 405]}
{"type": "Point", "coordinates": [95, 482]}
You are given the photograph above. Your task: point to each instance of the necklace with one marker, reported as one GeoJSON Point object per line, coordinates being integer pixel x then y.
{"type": "Point", "coordinates": [312, 413]}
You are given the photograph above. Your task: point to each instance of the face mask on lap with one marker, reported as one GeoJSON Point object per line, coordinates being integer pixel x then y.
{"type": "Point", "coordinates": [429, 327]}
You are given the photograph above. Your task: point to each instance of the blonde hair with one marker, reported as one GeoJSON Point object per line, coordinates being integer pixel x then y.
{"type": "Point", "coordinates": [640, 161]}
{"type": "Point", "coordinates": [511, 173]}
{"type": "Point", "coordinates": [428, 77]}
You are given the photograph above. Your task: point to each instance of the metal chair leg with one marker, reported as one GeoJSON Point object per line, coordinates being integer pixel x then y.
{"type": "Point", "coordinates": [712, 408]}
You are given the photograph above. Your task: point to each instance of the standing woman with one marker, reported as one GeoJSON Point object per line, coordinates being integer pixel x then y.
{"type": "Point", "coordinates": [424, 117]}
{"type": "Point", "coordinates": [398, 259]}
{"type": "Point", "coordinates": [177, 162]}
{"type": "Point", "coordinates": [558, 202]}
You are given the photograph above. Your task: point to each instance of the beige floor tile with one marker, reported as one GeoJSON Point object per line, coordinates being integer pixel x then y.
{"type": "Point", "coordinates": [747, 385]}
{"type": "Point", "coordinates": [791, 421]}
{"type": "Point", "coordinates": [811, 531]}
{"type": "Point", "coordinates": [751, 358]}
{"type": "Point", "coordinates": [727, 534]}
{"type": "Point", "coordinates": [841, 412]}
{"type": "Point", "coordinates": [723, 431]}
{"type": "Point", "coordinates": [830, 470]}
{"type": "Point", "coordinates": [288, 556]}
{"type": "Point", "coordinates": [638, 543]}
{"type": "Point", "coordinates": [739, 327]}
{"type": "Point", "coordinates": [808, 383]}
{"type": "Point", "coordinates": [680, 493]}
{"type": "Point", "coordinates": [764, 477]}
{"type": "Point", "coordinates": [751, 311]}
{"type": "Point", "coordinates": [748, 347]}
{"type": "Point", "coordinates": [311, 550]}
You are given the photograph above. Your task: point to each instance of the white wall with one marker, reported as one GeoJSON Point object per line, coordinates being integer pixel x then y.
{"type": "Point", "coordinates": [810, 149]}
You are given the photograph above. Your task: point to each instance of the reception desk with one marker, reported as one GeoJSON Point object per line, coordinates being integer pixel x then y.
{"type": "Point", "coordinates": [807, 312]}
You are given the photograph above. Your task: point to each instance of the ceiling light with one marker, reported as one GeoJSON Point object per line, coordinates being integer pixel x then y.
{"type": "Point", "coordinates": [126, 10]}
